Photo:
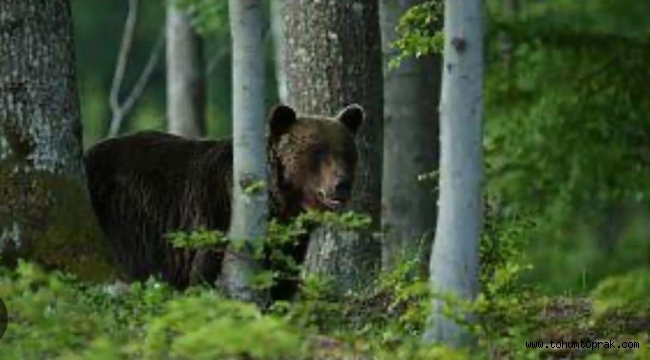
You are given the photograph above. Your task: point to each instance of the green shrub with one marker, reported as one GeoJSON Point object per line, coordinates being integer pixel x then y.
{"type": "Point", "coordinates": [52, 315]}
{"type": "Point", "coordinates": [630, 290]}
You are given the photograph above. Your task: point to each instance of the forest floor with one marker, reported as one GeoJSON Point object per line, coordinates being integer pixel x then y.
{"type": "Point", "coordinates": [52, 315]}
{"type": "Point", "coordinates": [571, 320]}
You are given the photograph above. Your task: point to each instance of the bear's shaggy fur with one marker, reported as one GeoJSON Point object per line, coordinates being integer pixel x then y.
{"type": "Point", "coordinates": [146, 185]}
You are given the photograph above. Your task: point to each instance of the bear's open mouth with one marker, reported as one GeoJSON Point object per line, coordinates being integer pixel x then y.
{"type": "Point", "coordinates": [322, 202]}
{"type": "Point", "coordinates": [329, 202]}
{"type": "Point", "coordinates": [332, 204]}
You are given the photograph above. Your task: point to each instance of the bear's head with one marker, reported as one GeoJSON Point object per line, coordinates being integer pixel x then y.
{"type": "Point", "coordinates": [315, 157]}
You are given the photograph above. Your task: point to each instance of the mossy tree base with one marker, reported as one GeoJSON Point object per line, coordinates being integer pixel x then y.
{"type": "Point", "coordinates": [45, 213]}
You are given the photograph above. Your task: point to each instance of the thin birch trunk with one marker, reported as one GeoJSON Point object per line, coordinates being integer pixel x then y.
{"type": "Point", "coordinates": [510, 8]}
{"type": "Point", "coordinates": [454, 259]}
{"type": "Point", "coordinates": [185, 79]}
{"type": "Point", "coordinates": [277, 29]}
{"type": "Point", "coordinates": [250, 209]}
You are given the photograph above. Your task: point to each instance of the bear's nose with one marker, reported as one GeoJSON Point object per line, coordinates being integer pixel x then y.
{"type": "Point", "coordinates": [343, 188]}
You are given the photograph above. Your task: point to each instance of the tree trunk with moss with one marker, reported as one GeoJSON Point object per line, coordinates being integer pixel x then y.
{"type": "Point", "coordinates": [332, 58]}
{"type": "Point", "coordinates": [45, 212]}
{"type": "Point", "coordinates": [411, 94]}
{"type": "Point", "coordinates": [250, 200]}
{"type": "Point", "coordinates": [185, 80]}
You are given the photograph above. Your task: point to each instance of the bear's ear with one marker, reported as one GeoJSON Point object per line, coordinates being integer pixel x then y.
{"type": "Point", "coordinates": [352, 117]}
{"type": "Point", "coordinates": [281, 117]}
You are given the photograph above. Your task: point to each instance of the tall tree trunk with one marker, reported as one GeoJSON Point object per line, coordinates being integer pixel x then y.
{"type": "Point", "coordinates": [277, 29]}
{"type": "Point", "coordinates": [333, 58]}
{"type": "Point", "coordinates": [185, 80]}
{"type": "Point", "coordinates": [411, 94]}
{"type": "Point", "coordinates": [509, 8]}
{"type": "Point", "coordinates": [454, 259]}
{"type": "Point", "coordinates": [250, 209]}
{"type": "Point", "coordinates": [45, 212]}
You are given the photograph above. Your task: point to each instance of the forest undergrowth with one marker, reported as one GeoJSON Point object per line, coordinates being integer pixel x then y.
{"type": "Point", "coordinates": [53, 315]}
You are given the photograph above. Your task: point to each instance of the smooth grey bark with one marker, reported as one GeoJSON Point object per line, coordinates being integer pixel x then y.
{"type": "Point", "coordinates": [277, 30]}
{"type": "Point", "coordinates": [185, 79]}
{"type": "Point", "coordinates": [250, 207]}
{"type": "Point", "coordinates": [332, 59]}
{"type": "Point", "coordinates": [45, 211]}
{"type": "Point", "coordinates": [454, 259]}
{"type": "Point", "coordinates": [411, 94]}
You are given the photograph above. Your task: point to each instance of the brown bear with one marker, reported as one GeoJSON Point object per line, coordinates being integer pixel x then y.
{"type": "Point", "coordinates": [146, 185]}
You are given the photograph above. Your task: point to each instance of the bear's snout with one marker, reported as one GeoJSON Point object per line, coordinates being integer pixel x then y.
{"type": "Point", "coordinates": [336, 196]}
